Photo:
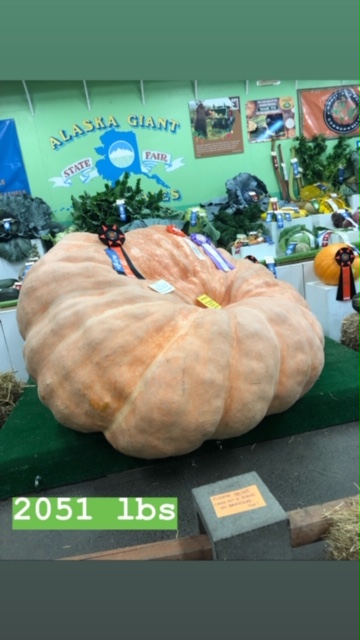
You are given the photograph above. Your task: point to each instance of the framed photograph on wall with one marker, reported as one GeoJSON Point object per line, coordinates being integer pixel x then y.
{"type": "Point", "coordinates": [331, 111]}
{"type": "Point", "coordinates": [216, 127]}
{"type": "Point", "coordinates": [270, 118]}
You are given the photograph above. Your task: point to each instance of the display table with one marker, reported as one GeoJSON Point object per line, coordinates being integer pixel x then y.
{"type": "Point", "coordinates": [330, 312]}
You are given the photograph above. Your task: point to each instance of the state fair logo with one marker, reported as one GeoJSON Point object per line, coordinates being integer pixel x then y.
{"type": "Point", "coordinates": [341, 111]}
{"type": "Point", "coordinates": [121, 154]}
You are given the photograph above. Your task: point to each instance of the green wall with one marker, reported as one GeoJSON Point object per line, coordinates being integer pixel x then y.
{"type": "Point", "coordinates": [58, 106]}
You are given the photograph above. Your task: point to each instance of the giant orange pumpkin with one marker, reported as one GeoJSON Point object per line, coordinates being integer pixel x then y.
{"type": "Point", "coordinates": [327, 269]}
{"type": "Point", "coordinates": [156, 373]}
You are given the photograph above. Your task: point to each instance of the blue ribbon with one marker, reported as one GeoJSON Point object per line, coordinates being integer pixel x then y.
{"type": "Point", "coordinates": [115, 261]}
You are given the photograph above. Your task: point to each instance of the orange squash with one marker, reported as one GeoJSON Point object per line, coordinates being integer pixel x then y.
{"type": "Point", "coordinates": [327, 269]}
{"type": "Point", "coordinates": [159, 374]}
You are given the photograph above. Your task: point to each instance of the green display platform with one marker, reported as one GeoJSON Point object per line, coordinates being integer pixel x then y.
{"type": "Point", "coordinates": [37, 453]}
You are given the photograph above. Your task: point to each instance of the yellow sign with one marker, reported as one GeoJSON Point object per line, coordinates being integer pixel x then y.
{"type": "Point", "coordinates": [247, 499]}
{"type": "Point", "coordinates": [205, 301]}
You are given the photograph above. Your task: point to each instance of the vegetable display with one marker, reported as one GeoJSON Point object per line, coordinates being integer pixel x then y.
{"type": "Point", "coordinates": [154, 371]}
{"type": "Point", "coordinates": [304, 239]}
{"type": "Point", "coordinates": [23, 217]}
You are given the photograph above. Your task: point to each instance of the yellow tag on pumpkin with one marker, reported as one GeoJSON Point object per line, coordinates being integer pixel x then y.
{"type": "Point", "coordinates": [205, 301]}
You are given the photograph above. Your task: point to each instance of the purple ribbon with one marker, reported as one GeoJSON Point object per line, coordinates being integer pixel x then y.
{"type": "Point", "coordinates": [219, 261]}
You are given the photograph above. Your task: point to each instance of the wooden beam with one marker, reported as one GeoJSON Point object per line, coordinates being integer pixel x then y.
{"type": "Point", "coordinates": [307, 525]}
{"type": "Point", "coordinates": [191, 548]}
{"type": "Point", "coordinates": [310, 524]}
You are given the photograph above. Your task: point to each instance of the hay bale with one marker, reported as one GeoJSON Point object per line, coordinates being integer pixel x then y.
{"type": "Point", "coordinates": [342, 538]}
{"type": "Point", "coordinates": [11, 390]}
{"type": "Point", "coordinates": [350, 331]}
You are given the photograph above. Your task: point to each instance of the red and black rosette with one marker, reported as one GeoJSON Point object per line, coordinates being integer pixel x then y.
{"type": "Point", "coordinates": [346, 289]}
{"type": "Point", "coordinates": [114, 238]}
{"type": "Point", "coordinates": [111, 235]}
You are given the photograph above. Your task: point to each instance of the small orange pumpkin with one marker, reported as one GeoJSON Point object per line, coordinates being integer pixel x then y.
{"type": "Point", "coordinates": [327, 269]}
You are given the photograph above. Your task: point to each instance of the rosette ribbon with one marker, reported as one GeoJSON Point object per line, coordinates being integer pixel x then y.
{"type": "Point", "coordinates": [346, 289]}
{"type": "Point", "coordinates": [174, 230]}
{"type": "Point", "coordinates": [114, 239]}
{"type": "Point", "coordinates": [207, 246]}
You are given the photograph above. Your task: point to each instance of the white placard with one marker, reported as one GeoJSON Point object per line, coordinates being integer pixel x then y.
{"type": "Point", "coordinates": [161, 286]}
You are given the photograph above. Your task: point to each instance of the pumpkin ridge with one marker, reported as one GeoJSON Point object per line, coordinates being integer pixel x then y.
{"type": "Point", "coordinates": [283, 396]}
{"type": "Point", "coordinates": [54, 355]}
{"type": "Point", "coordinates": [260, 385]}
{"type": "Point", "coordinates": [147, 372]}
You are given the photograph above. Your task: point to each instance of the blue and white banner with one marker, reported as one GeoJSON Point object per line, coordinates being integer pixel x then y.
{"type": "Point", "coordinates": [13, 178]}
{"type": "Point", "coordinates": [151, 158]}
{"type": "Point", "coordinates": [83, 168]}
